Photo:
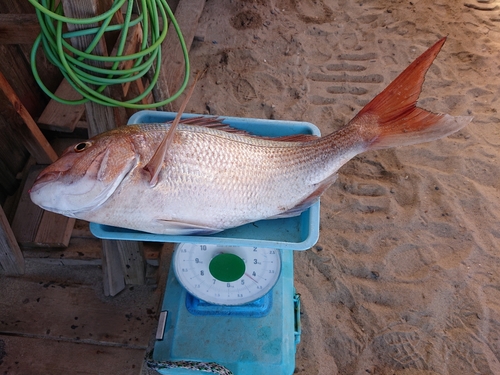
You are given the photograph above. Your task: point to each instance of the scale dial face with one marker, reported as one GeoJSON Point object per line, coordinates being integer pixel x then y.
{"type": "Point", "coordinates": [226, 275]}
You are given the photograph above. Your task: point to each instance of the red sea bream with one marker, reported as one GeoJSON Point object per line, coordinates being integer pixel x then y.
{"type": "Point", "coordinates": [211, 179]}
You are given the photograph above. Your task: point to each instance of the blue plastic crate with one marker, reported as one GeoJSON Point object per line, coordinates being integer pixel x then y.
{"type": "Point", "coordinates": [296, 233]}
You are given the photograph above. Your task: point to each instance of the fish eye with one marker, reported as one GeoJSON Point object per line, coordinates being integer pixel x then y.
{"type": "Point", "coordinates": [82, 146]}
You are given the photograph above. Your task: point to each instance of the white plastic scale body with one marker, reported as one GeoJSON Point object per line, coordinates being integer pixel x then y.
{"type": "Point", "coordinates": [230, 298]}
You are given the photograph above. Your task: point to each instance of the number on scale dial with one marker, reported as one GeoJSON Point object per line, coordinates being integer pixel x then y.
{"type": "Point", "coordinates": [226, 275]}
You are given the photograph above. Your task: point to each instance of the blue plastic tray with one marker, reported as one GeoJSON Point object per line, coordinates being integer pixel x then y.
{"type": "Point", "coordinates": [296, 233]}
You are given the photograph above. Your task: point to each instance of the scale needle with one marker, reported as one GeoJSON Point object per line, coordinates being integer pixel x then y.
{"type": "Point", "coordinates": [250, 277]}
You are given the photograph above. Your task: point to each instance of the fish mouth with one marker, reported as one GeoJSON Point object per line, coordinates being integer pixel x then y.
{"type": "Point", "coordinates": [44, 178]}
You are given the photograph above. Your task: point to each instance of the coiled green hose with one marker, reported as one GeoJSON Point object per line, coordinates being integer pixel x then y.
{"type": "Point", "coordinates": [79, 67]}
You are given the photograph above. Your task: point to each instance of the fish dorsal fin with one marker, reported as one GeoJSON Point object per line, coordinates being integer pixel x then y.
{"type": "Point", "coordinates": [296, 138]}
{"type": "Point", "coordinates": [212, 123]}
{"type": "Point", "coordinates": [217, 123]}
{"type": "Point", "coordinates": [155, 164]}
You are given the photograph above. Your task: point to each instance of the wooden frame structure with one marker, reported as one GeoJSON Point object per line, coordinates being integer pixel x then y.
{"type": "Point", "coordinates": [123, 262]}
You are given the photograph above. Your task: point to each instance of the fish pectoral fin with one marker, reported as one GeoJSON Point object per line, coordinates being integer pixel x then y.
{"type": "Point", "coordinates": [309, 201]}
{"type": "Point", "coordinates": [173, 227]}
{"type": "Point", "coordinates": [155, 164]}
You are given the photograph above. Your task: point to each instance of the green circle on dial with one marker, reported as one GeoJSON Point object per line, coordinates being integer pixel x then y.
{"type": "Point", "coordinates": [227, 267]}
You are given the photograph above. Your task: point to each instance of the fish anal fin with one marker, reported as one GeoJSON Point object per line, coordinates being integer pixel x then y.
{"type": "Point", "coordinates": [309, 201]}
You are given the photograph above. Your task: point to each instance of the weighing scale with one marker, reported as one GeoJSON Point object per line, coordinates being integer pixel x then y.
{"type": "Point", "coordinates": [229, 304]}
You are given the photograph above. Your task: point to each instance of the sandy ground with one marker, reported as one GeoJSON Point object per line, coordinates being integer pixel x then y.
{"type": "Point", "coordinates": [404, 278]}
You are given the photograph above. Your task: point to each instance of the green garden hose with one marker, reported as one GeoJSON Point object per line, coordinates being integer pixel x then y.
{"type": "Point", "coordinates": [90, 74]}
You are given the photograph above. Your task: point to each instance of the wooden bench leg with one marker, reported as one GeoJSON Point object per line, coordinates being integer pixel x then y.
{"type": "Point", "coordinates": [11, 257]}
{"type": "Point", "coordinates": [123, 263]}
{"type": "Point", "coordinates": [112, 270]}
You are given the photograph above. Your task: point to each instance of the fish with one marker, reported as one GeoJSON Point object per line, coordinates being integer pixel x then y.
{"type": "Point", "coordinates": [210, 177]}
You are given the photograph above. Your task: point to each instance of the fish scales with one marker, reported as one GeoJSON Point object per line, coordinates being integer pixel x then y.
{"type": "Point", "coordinates": [207, 169]}
{"type": "Point", "coordinates": [210, 179]}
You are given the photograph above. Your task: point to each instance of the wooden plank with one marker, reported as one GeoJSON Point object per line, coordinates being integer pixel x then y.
{"type": "Point", "coordinates": [11, 258]}
{"type": "Point", "coordinates": [54, 230]}
{"type": "Point", "coordinates": [110, 43]}
{"type": "Point", "coordinates": [173, 4]}
{"type": "Point", "coordinates": [8, 180]}
{"type": "Point", "coordinates": [15, 65]}
{"type": "Point", "coordinates": [18, 28]}
{"type": "Point", "coordinates": [166, 253]}
{"type": "Point", "coordinates": [34, 140]}
{"type": "Point", "coordinates": [82, 230]}
{"type": "Point", "coordinates": [17, 7]}
{"type": "Point", "coordinates": [63, 303]}
{"type": "Point", "coordinates": [17, 69]}
{"type": "Point", "coordinates": [187, 14]}
{"type": "Point", "coordinates": [13, 155]}
{"type": "Point", "coordinates": [83, 251]}
{"type": "Point", "coordinates": [28, 215]}
{"type": "Point", "coordinates": [112, 269]}
{"type": "Point", "coordinates": [100, 119]}
{"type": "Point", "coordinates": [12, 201]}
{"type": "Point", "coordinates": [132, 45]}
{"type": "Point", "coordinates": [62, 117]}
{"type": "Point", "coordinates": [33, 226]}
{"type": "Point", "coordinates": [129, 90]}
{"type": "Point", "coordinates": [49, 74]}
{"type": "Point", "coordinates": [80, 252]}
{"type": "Point", "coordinates": [35, 355]}
{"type": "Point", "coordinates": [133, 262]}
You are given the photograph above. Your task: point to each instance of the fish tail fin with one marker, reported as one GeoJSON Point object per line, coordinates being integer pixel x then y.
{"type": "Point", "coordinates": [400, 121]}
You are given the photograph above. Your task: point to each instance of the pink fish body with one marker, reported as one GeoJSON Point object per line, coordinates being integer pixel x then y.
{"type": "Point", "coordinates": [211, 179]}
